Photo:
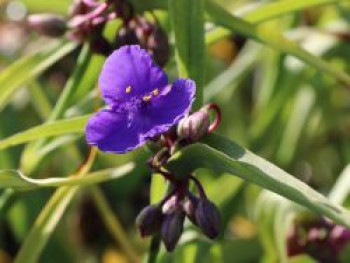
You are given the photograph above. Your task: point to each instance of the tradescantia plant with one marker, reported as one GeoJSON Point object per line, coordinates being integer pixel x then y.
{"type": "Point", "coordinates": [147, 107]}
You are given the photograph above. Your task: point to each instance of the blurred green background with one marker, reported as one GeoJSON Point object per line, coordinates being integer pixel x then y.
{"type": "Point", "coordinates": [291, 114]}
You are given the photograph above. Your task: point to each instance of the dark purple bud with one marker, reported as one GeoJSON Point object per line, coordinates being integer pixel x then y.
{"type": "Point", "coordinates": [194, 126]}
{"type": "Point", "coordinates": [208, 218]}
{"type": "Point", "coordinates": [149, 220]}
{"type": "Point", "coordinates": [190, 206]}
{"type": "Point", "coordinates": [170, 205]}
{"type": "Point", "coordinates": [126, 36]}
{"type": "Point", "coordinates": [48, 24]}
{"type": "Point", "coordinates": [158, 44]}
{"type": "Point", "coordinates": [172, 228]}
{"type": "Point", "coordinates": [100, 45]}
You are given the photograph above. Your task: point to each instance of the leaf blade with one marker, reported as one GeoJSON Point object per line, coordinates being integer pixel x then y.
{"type": "Point", "coordinates": [187, 19]}
{"type": "Point", "coordinates": [30, 67]}
{"type": "Point", "coordinates": [61, 127]}
{"type": "Point", "coordinates": [220, 154]}
{"type": "Point", "coordinates": [14, 179]}
{"type": "Point", "coordinates": [273, 39]}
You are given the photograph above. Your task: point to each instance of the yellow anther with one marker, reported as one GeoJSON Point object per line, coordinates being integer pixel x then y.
{"type": "Point", "coordinates": [155, 92]}
{"type": "Point", "coordinates": [128, 89]}
{"type": "Point", "coordinates": [147, 98]}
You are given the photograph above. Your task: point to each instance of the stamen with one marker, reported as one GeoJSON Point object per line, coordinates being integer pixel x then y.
{"type": "Point", "coordinates": [147, 98]}
{"type": "Point", "coordinates": [155, 92]}
{"type": "Point", "coordinates": [128, 89]}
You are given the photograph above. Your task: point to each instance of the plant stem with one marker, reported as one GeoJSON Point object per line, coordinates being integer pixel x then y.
{"type": "Point", "coordinates": [72, 83]}
{"type": "Point", "coordinates": [154, 249]}
{"type": "Point", "coordinates": [113, 224]}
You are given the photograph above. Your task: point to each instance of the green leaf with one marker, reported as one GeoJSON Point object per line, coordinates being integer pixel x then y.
{"type": "Point", "coordinates": [25, 69]}
{"type": "Point", "coordinates": [158, 188]}
{"type": "Point", "coordinates": [72, 83]}
{"type": "Point", "coordinates": [32, 155]}
{"type": "Point", "coordinates": [47, 221]}
{"type": "Point", "coordinates": [275, 9]}
{"type": "Point", "coordinates": [187, 19]}
{"type": "Point", "coordinates": [41, 6]}
{"type": "Point", "coordinates": [341, 188]}
{"type": "Point", "coordinates": [16, 180]}
{"type": "Point", "coordinates": [300, 114]}
{"type": "Point", "coordinates": [222, 155]}
{"type": "Point", "coordinates": [273, 39]}
{"type": "Point", "coordinates": [61, 127]}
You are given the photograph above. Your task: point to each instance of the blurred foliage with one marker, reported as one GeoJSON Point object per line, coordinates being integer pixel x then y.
{"type": "Point", "coordinates": [294, 112]}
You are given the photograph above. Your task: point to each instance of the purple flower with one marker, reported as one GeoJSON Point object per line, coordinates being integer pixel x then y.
{"type": "Point", "coordinates": [141, 102]}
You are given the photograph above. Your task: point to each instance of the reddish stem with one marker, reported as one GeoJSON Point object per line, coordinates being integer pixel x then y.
{"type": "Point", "coordinates": [216, 122]}
{"type": "Point", "coordinates": [199, 187]}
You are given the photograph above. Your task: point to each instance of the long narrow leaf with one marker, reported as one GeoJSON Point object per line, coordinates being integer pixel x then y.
{"type": "Point", "coordinates": [16, 180]}
{"type": "Point", "coordinates": [188, 24]}
{"type": "Point", "coordinates": [273, 39]}
{"type": "Point", "coordinates": [29, 67]}
{"type": "Point", "coordinates": [223, 155]}
{"type": "Point", "coordinates": [62, 127]}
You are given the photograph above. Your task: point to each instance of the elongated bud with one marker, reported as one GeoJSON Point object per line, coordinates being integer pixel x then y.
{"type": "Point", "coordinates": [158, 44]}
{"type": "Point", "coordinates": [100, 45]}
{"type": "Point", "coordinates": [48, 24]}
{"type": "Point", "coordinates": [208, 218]}
{"type": "Point", "coordinates": [172, 228]}
{"type": "Point", "coordinates": [170, 206]}
{"type": "Point", "coordinates": [194, 126]}
{"type": "Point", "coordinates": [190, 206]}
{"type": "Point", "coordinates": [149, 220]}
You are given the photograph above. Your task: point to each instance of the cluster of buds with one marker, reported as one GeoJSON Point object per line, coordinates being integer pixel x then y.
{"type": "Point", "coordinates": [321, 239]}
{"type": "Point", "coordinates": [138, 30]}
{"type": "Point", "coordinates": [167, 217]}
{"type": "Point", "coordinates": [86, 22]}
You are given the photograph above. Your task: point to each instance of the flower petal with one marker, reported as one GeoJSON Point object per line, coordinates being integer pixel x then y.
{"type": "Point", "coordinates": [129, 72]}
{"type": "Point", "coordinates": [169, 107]}
{"type": "Point", "coordinates": [113, 132]}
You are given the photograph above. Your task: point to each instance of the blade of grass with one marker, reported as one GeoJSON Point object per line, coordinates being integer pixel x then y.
{"type": "Point", "coordinates": [61, 127]}
{"type": "Point", "coordinates": [300, 114]}
{"type": "Point", "coordinates": [341, 188]}
{"type": "Point", "coordinates": [273, 39]}
{"type": "Point", "coordinates": [222, 155]}
{"type": "Point", "coordinates": [49, 217]}
{"type": "Point", "coordinates": [187, 19]}
{"type": "Point", "coordinates": [276, 9]}
{"type": "Point", "coordinates": [25, 69]}
{"type": "Point", "coordinates": [14, 179]}
{"type": "Point", "coordinates": [113, 224]}
{"type": "Point", "coordinates": [39, 100]}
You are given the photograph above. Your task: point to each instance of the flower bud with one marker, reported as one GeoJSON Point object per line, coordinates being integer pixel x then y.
{"type": "Point", "coordinates": [100, 45]}
{"type": "Point", "coordinates": [208, 218]}
{"type": "Point", "coordinates": [194, 126]}
{"type": "Point", "coordinates": [172, 228]}
{"type": "Point", "coordinates": [48, 24]}
{"type": "Point", "coordinates": [126, 36]}
{"type": "Point", "coordinates": [190, 206]}
{"type": "Point", "coordinates": [170, 205]}
{"type": "Point", "coordinates": [149, 220]}
{"type": "Point", "coordinates": [158, 44]}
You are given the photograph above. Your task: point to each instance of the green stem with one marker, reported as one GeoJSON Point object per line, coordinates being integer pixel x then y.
{"type": "Point", "coordinates": [154, 249]}
{"type": "Point", "coordinates": [72, 83]}
{"type": "Point", "coordinates": [6, 199]}
{"type": "Point", "coordinates": [113, 224]}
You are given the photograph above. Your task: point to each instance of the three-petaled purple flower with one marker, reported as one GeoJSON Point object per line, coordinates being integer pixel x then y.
{"type": "Point", "coordinates": [141, 103]}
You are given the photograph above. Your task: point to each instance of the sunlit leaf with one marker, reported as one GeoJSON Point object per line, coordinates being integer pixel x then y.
{"type": "Point", "coordinates": [62, 127]}
{"type": "Point", "coordinates": [26, 68]}
{"type": "Point", "coordinates": [16, 180]}
{"type": "Point", "coordinates": [188, 24]}
{"type": "Point", "coordinates": [223, 155]}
